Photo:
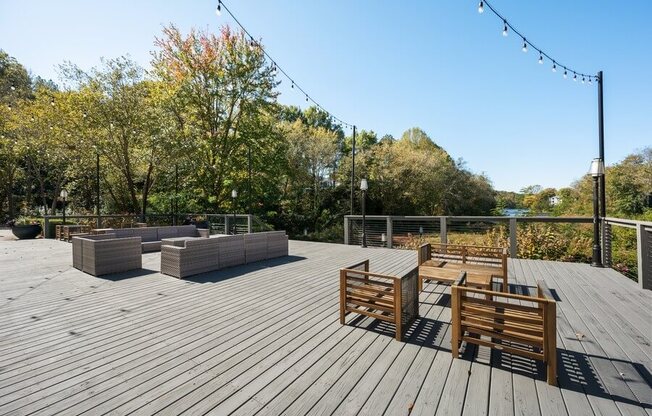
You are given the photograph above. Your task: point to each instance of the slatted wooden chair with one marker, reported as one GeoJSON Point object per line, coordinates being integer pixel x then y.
{"type": "Point", "coordinates": [387, 298]}
{"type": "Point", "coordinates": [443, 262]}
{"type": "Point", "coordinates": [517, 324]}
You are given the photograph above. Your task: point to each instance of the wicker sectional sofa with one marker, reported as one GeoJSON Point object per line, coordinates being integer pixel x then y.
{"type": "Point", "coordinates": [104, 254]}
{"type": "Point", "coordinates": [152, 236]}
{"type": "Point", "coordinates": [194, 256]}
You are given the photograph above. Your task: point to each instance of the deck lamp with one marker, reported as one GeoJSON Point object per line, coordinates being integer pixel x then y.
{"type": "Point", "coordinates": [363, 187]}
{"type": "Point", "coordinates": [596, 171]}
{"type": "Point", "coordinates": [234, 195]}
{"type": "Point", "coordinates": [64, 195]}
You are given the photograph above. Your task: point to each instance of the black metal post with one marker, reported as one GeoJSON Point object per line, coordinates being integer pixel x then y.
{"type": "Point", "coordinates": [352, 169]}
{"type": "Point", "coordinates": [603, 198]}
{"type": "Point", "coordinates": [249, 196]}
{"type": "Point", "coordinates": [97, 189]}
{"type": "Point", "coordinates": [175, 205]}
{"type": "Point", "coordinates": [597, 252]}
{"type": "Point", "coordinates": [364, 225]}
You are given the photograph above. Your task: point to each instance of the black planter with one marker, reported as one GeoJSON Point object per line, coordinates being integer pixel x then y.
{"type": "Point", "coordinates": [26, 231]}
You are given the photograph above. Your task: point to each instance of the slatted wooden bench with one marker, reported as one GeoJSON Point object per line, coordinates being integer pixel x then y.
{"type": "Point", "coordinates": [393, 299]}
{"type": "Point", "coordinates": [443, 262]}
{"type": "Point", "coordinates": [517, 324]}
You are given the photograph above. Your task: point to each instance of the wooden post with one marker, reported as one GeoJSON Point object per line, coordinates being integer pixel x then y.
{"type": "Point", "coordinates": [443, 230]}
{"type": "Point", "coordinates": [513, 251]}
{"type": "Point", "coordinates": [346, 230]}
{"type": "Point", "coordinates": [550, 343]}
{"type": "Point", "coordinates": [398, 302]}
{"type": "Point", "coordinates": [390, 224]}
{"type": "Point", "coordinates": [643, 248]}
{"type": "Point", "coordinates": [606, 243]}
{"type": "Point", "coordinates": [226, 224]}
{"type": "Point", "coordinates": [342, 296]}
{"type": "Point", "coordinates": [249, 223]}
{"type": "Point", "coordinates": [456, 320]}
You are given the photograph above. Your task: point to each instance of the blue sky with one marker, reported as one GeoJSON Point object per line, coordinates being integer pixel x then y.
{"type": "Point", "coordinates": [388, 66]}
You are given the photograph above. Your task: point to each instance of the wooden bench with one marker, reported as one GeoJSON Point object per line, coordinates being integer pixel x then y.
{"type": "Point", "coordinates": [391, 299]}
{"type": "Point", "coordinates": [517, 324]}
{"type": "Point", "coordinates": [443, 262]}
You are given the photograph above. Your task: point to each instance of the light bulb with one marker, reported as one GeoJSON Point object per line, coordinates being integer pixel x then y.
{"type": "Point", "coordinates": [505, 32]}
{"type": "Point", "coordinates": [583, 80]}
{"type": "Point", "coordinates": [554, 67]}
{"type": "Point", "coordinates": [306, 97]}
{"type": "Point", "coordinates": [52, 102]}
{"type": "Point", "coordinates": [13, 88]}
{"type": "Point", "coordinates": [292, 84]}
{"type": "Point", "coordinates": [540, 58]}
{"type": "Point", "coordinates": [218, 11]}
{"type": "Point", "coordinates": [85, 115]}
{"type": "Point", "coordinates": [590, 81]}
{"type": "Point", "coordinates": [565, 73]}
{"type": "Point", "coordinates": [481, 7]}
{"type": "Point", "coordinates": [524, 48]}
{"type": "Point", "coordinates": [574, 77]}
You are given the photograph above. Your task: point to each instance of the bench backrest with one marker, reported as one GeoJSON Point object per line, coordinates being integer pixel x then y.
{"type": "Point", "coordinates": [455, 253]}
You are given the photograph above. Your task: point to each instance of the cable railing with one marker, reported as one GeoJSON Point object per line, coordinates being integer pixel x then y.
{"type": "Point", "coordinates": [627, 244]}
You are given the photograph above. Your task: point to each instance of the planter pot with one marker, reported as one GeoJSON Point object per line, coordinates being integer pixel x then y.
{"type": "Point", "coordinates": [26, 231]}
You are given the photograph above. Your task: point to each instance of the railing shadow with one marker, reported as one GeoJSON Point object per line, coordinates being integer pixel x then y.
{"type": "Point", "coordinates": [236, 271]}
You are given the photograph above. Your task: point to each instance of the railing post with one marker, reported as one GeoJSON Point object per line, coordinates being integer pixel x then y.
{"type": "Point", "coordinates": [606, 243]}
{"type": "Point", "coordinates": [643, 248]}
{"type": "Point", "coordinates": [226, 224]}
{"type": "Point", "coordinates": [249, 223]}
{"type": "Point", "coordinates": [513, 249]}
{"type": "Point", "coordinates": [390, 224]}
{"type": "Point", "coordinates": [46, 222]}
{"type": "Point", "coordinates": [443, 231]}
{"type": "Point", "coordinates": [346, 230]}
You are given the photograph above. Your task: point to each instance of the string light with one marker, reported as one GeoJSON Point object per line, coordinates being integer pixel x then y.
{"type": "Point", "coordinates": [507, 27]}
{"type": "Point", "coordinates": [52, 102]}
{"type": "Point", "coordinates": [13, 88]}
{"type": "Point", "coordinates": [276, 67]}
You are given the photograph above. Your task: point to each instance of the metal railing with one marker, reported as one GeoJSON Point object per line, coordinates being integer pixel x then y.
{"type": "Point", "coordinates": [628, 248]}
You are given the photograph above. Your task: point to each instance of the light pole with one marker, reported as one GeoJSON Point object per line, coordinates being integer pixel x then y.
{"type": "Point", "coordinates": [64, 195]}
{"type": "Point", "coordinates": [596, 171]}
{"type": "Point", "coordinates": [234, 195]}
{"type": "Point", "coordinates": [363, 187]}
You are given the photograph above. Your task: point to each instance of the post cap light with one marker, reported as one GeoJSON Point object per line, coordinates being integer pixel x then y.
{"type": "Point", "coordinates": [234, 194]}
{"type": "Point", "coordinates": [364, 185]}
{"type": "Point", "coordinates": [63, 194]}
{"type": "Point", "coordinates": [597, 167]}
{"type": "Point", "coordinates": [383, 237]}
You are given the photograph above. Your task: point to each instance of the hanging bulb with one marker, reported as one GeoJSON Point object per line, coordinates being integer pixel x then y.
{"type": "Point", "coordinates": [524, 48]}
{"type": "Point", "coordinates": [9, 107]}
{"type": "Point", "coordinates": [52, 102]}
{"type": "Point", "coordinates": [565, 73]}
{"type": "Point", "coordinates": [583, 80]}
{"type": "Point", "coordinates": [13, 88]}
{"type": "Point", "coordinates": [505, 28]}
{"type": "Point", "coordinates": [590, 81]}
{"type": "Point", "coordinates": [574, 77]}
{"type": "Point", "coordinates": [32, 119]}
{"type": "Point", "coordinates": [481, 7]}
{"type": "Point", "coordinates": [554, 66]}
{"type": "Point", "coordinates": [292, 84]}
{"type": "Point", "coordinates": [306, 97]}
{"type": "Point", "coordinates": [85, 115]}
{"type": "Point", "coordinates": [51, 128]}
{"type": "Point", "coordinates": [540, 58]}
{"type": "Point", "coordinates": [218, 11]}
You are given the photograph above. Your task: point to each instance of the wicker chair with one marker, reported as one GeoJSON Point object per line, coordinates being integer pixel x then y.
{"type": "Point", "coordinates": [104, 254]}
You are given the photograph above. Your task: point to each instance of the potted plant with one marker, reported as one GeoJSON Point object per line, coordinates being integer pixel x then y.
{"type": "Point", "coordinates": [25, 228]}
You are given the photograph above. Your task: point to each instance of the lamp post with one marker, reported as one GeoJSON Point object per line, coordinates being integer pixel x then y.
{"type": "Point", "coordinates": [596, 171]}
{"type": "Point", "coordinates": [64, 195]}
{"type": "Point", "coordinates": [234, 195]}
{"type": "Point", "coordinates": [363, 187]}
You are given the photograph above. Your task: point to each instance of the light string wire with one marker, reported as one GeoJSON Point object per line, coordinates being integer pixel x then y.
{"type": "Point", "coordinates": [220, 5]}
{"type": "Point", "coordinates": [555, 63]}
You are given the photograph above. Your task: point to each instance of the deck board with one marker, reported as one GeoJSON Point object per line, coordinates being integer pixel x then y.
{"type": "Point", "coordinates": [265, 339]}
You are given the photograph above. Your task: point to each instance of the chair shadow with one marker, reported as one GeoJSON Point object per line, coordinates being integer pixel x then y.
{"type": "Point", "coordinates": [235, 271]}
{"type": "Point", "coordinates": [115, 277]}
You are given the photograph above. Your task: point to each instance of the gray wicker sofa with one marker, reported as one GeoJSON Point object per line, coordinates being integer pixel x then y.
{"type": "Point", "coordinates": [190, 257]}
{"type": "Point", "coordinates": [105, 254]}
{"type": "Point", "coordinates": [152, 236]}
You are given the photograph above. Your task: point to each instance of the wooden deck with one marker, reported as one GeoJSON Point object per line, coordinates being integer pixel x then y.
{"type": "Point", "coordinates": [265, 339]}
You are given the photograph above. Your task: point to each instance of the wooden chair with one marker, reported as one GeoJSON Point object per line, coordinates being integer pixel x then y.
{"type": "Point", "coordinates": [387, 298]}
{"type": "Point", "coordinates": [517, 324]}
{"type": "Point", "coordinates": [443, 262]}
